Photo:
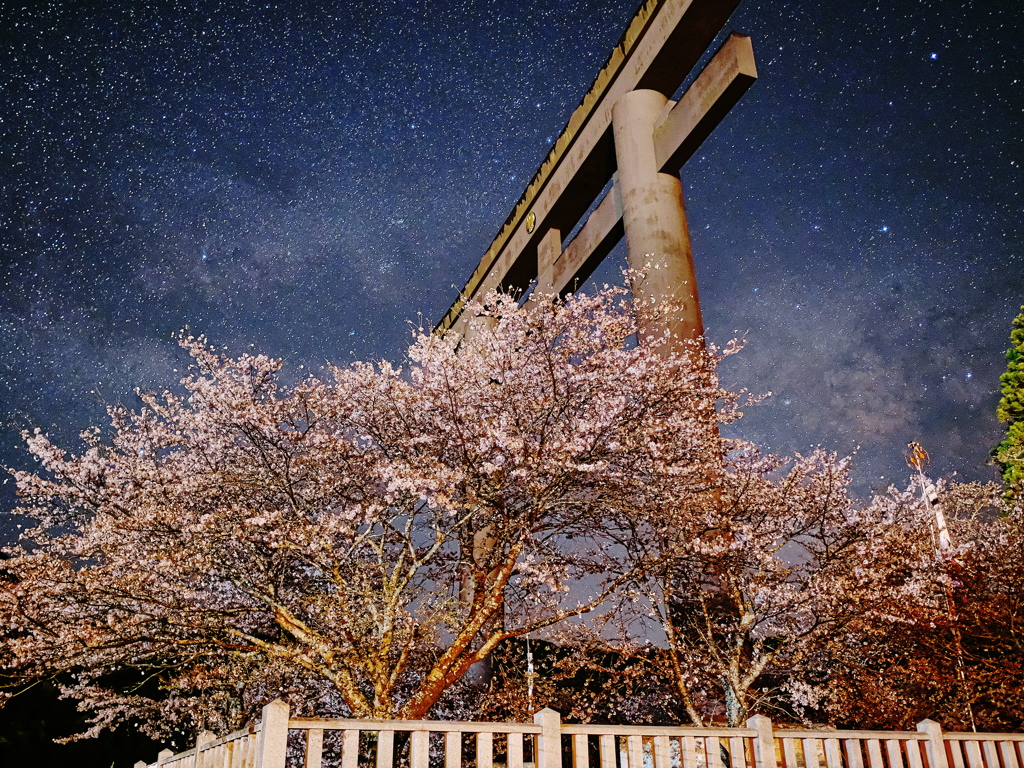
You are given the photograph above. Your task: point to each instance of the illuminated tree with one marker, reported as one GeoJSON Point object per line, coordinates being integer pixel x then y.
{"type": "Point", "coordinates": [358, 542]}
{"type": "Point", "coordinates": [752, 590]}
{"type": "Point", "coordinates": [954, 655]}
{"type": "Point", "coordinates": [1009, 454]}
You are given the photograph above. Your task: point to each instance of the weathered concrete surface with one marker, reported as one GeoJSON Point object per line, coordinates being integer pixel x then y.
{"type": "Point", "coordinates": [662, 44]}
{"type": "Point", "coordinates": [678, 133]}
{"type": "Point", "coordinates": [657, 236]}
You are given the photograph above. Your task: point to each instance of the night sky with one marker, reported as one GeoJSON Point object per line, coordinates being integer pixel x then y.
{"type": "Point", "coordinates": [306, 179]}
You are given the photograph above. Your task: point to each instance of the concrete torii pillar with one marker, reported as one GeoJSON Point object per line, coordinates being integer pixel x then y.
{"type": "Point", "coordinates": [657, 236]}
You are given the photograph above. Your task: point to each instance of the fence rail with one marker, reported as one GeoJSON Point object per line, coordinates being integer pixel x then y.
{"type": "Point", "coordinates": [281, 741]}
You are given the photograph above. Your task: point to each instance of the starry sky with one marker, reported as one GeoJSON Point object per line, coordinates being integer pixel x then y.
{"type": "Point", "coordinates": [306, 179]}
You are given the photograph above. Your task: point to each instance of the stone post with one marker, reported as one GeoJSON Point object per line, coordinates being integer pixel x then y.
{"type": "Point", "coordinates": [203, 758]}
{"type": "Point", "coordinates": [936, 745]}
{"type": "Point", "coordinates": [764, 742]}
{"type": "Point", "coordinates": [549, 751]}
{"type": "Point", "coordinates": [272, 750]}
{"type": "Point", "coordinates": [657, 236]}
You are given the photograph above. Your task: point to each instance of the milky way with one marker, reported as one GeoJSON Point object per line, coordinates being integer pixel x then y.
{"type": "Point", "coordinates": [307, 179]}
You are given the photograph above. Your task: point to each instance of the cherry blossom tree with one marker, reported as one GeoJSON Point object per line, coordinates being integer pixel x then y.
{"type": "Point", "coordinates": [777, 593]}
{"type": "Point", "coordinates": [357, 541]}
{"type": "Point", "coordinates": [952, 654]}
{"type": "Point", "coordinates": [752, 590]}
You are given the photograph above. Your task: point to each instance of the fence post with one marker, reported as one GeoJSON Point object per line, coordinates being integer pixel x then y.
{"type": "Point", "coordinates": [936, 745]}
{"type": "Point", "coordinates": [204, 738]}
{"type": "Point", "coordinates": [163, 756]}
{"type": "Point", "coordinates": [764, 742]}
{"type": "Point", "coordinates": [272, 751]}
{"type": "Point", "coordinates": [140, 764]}
{"type": "Point", "coordinates": [550, 749]}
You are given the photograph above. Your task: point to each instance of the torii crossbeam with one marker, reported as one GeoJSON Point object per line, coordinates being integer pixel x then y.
{"type": "Point", "coordinates": [625, 129]}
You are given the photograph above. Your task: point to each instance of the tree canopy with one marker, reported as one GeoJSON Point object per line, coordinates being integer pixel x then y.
{"type": "Point", "coordinates": [357, 542]}
{"type": "Point", "coordinates": [751, 591]}
{"type": "Point", "coordinates": [1009, 454]}
{"type": "Point", "coordinates": [363, 538]}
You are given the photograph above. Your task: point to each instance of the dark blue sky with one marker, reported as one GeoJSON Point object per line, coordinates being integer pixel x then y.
{"type": "Point", "coordinates": [303, 179]}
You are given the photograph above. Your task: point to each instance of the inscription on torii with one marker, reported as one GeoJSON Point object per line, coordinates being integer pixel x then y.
{"type": "Point", "coordinates": [626, 130]}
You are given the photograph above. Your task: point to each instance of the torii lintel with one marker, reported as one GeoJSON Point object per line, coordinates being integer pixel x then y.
{"type": "Point", "coordinates": [662, 44]}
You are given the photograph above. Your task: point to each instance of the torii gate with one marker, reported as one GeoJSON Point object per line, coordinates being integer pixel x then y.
{"type": "Point", "coordinates": [626, 130]}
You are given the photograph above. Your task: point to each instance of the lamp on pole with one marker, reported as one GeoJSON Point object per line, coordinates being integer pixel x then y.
{"type": "Point", "coordinates": [917, 458]}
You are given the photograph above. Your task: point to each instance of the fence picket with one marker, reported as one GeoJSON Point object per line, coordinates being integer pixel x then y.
{"type": "Point", "coordinates": [737, 753]}
{"type": "Point", "coordinates": [894, 752]}
{"type": "Point", "coordinates": [580, 754]}
{"type": "Point", "coordinates": [875, 754]}
{"type": "Point", "coordinates": [607, 748]}
{"type": "Point", "coordinates": [635, 748]}
{"type": "Point", "coordinates": [833, 757]}
{"type": "Point", "coordinates": [689, 753]}
{"type": "Point", "coordinates": [1007, 750]}
{"type": "Point", "coordinates": [991, 755]}
{"type": "Point", "coordinates": [350, 749]}
{"type": "Point", "coordinates": [713, 751]}
{"type": "Point", "coordinates": [314, 748]}
{"type": "Point", "coordinates": [854, 757]}
{"type": "Point", "coordinates": [453, 750]}
{"type": "Point", "coordinates": [812, 757]}
{"type": "Point", "coordinates": [385, 749]}
{"type": "Point", "coordinates": [973, 750]}
{"type": "Point", "coordinates": [419, 750]}
{"type": "Point", "coordinates": [914, 754]}
{"type": "Point", "coordinates": [484, 750]}
{"type": "Point", "coordinates": [789, 752]}
{"type": "Point", "coordinates": [251, 752]}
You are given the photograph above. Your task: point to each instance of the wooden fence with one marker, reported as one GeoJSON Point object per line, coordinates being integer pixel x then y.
{"type": "Point", "coordinates": [547, 743]}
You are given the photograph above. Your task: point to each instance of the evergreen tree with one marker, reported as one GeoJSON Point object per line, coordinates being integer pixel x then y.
{"type": "Point", "coordinates": [1009, 454]}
